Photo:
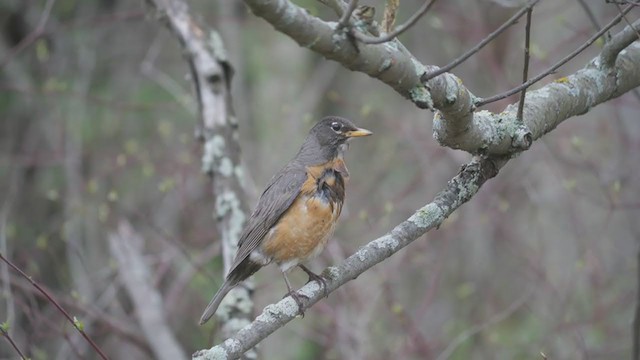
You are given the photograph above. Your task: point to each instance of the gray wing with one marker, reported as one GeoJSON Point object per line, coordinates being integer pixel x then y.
{"type": "Point", "coordinates": [280, 193]}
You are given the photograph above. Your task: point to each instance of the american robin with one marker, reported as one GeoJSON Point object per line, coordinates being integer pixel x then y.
{"type": "Point", "coordinates": [297, 212]}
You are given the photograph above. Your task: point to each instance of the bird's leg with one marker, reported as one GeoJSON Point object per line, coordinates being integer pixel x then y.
{"type": "Point", "coordinates": [297, 297]}
{"type": "Point", "coordinates": [315, 277]}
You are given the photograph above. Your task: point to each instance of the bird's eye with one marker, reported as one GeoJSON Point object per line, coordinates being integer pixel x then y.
{"type": "Point", "coordinates": [336, 126]}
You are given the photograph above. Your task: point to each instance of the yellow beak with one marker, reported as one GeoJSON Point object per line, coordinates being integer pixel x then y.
{"type": "Point", "coordinates": [358, 132]}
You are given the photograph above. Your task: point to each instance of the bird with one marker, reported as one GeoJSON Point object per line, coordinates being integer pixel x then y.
{"type": "Point", "coordinates": [297, 212]}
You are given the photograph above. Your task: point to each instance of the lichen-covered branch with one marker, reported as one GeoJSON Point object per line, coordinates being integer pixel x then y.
{"type": "Point", "coordinates": [457, 124]}
{"type": "Point", "coordinates": [211, 73]}
{"type": "Point", "coordinates": [458, 191]}
{"type": "Point", "coordinates": [618, 43]}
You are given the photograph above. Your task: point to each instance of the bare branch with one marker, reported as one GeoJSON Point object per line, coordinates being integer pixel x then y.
{"type": "Point", "coordinates": [74, 322]}
{"type": "Point", "coordinates": [400, 29]}
{"type": "Point", "coordinates": [564, 60]}
{"type": "Point", "coordinates": [621, 11]}
{"type": "Point", "coordinates": [618, 43]}
{"type": "Point", "coordinates": [126, 248]}
{"type": "Point", "coordinates": [12, 343]}
{"type": "Point", "coordinates": [462, 58]}
{"type": "Point", "coordinates": [525, 69]}
{"type": "Point", "coordinates": [590, 14]}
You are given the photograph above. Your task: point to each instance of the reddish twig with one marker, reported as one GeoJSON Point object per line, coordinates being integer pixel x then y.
{"type": "Point", "coordinates": [398, 30]}
{"type": "Point", "coordinates": [555, 67]}
{"type": "Point", "coordinates": [462, 58]}
{"type": "Point", "coordinates": [55, 303]}
{"type": "Point", "coordinates": [13, 344]}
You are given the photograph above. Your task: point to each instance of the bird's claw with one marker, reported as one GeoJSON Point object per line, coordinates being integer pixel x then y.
{"type": "Point", "coordinates": [298, 299]}
{"type": "Point", "coordinates": [318, 278]}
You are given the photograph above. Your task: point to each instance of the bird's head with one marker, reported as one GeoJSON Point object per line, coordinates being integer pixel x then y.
{"type": "Point", "coordinates": [326, 138]}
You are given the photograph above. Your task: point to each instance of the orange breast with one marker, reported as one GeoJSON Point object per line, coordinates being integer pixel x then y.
{"type": "Point", "coordinates": [303, 230]}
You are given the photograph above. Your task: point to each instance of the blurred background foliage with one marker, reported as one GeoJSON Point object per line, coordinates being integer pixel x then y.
{"type": "Point", "coordinates": [97, 122]}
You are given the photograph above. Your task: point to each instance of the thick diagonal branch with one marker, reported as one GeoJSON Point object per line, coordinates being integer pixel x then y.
{"type": "Point", "coordinates": [457, 125]}
{"type": "Point", "coordinates": [458, 191]}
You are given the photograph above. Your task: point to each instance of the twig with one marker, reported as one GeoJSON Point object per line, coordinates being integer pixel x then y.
{"type": "Point", "coordinates": [13, 344]}
{"type": "Point", "coordinates": [50, 298]}
{"type": "Point", "coordinates": [465, 335]}
{"type": "Point", "coordinates": [346, 15]}
{"type": "Point", "coordinates": [462, 58]}
{"type": "Point", "coordinates": [590, 15]}
{"type": "Point", "coordinates": [555, 66]}
{"type": "Point", "coordinates": [398, 30]}
{"type": "Point", "coordinates": [635, 92]}
{"type": "Point", "coordinates": [627, 20]}
{"type": "Point", "coordinates": [525, 70]}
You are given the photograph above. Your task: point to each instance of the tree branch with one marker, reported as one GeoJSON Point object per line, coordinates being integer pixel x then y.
{"type": "Point", "coordinates": [462, 58]}
{"type": "Point", "coordinates": [398, 30]}
{"type": "Point", "coordinates": [607, 61]}
{"type": "Point", "coordinates": [458, 191]}
{"type": "Point", "coordinates": [211, 73]}
{"type": "Point", "coordinates": [125, 247]}
{"type": "Point", "coordinates": [74, 322]}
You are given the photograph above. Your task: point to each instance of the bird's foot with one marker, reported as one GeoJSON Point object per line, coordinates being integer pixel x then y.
{"type": "Point", "coordinates": [298, 299]}
{"type": "Point", "coordinates": [318, 278]}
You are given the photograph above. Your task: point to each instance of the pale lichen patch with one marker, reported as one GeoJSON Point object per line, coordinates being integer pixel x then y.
{"type": "Point", "coordinates": [215, 353]}
{"type": "Point", "coordinates": [361, 254]}
{"type": "Point", "coordinates": [427, 216]}
{"type": "Point", "coordinates": [387, 242]}
{"type": "Point", "coordinates": [331, 272]}
{"type": "Point", "coordinates": [226, 167]}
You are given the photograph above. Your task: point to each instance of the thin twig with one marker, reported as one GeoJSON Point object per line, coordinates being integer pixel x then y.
{"type": "Point", "coordinates": [554, 67]}
{"type": "Point", "coordinates": [398, 30]}
{"type": "Point", "coordinates": [13, 344]}
{"type": "Point", "coordinates": [55, 303]}
{"type": "Point", "coordinates": [627, 20]}
{"type": "Point", "coordinates": [346, 15]}
{"type": "Point", "coordinates": [525, 70]}
{"type": "Point", "coordinates": [462, 58]}
{"type": "Point", "coordinates": [591, 15]}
